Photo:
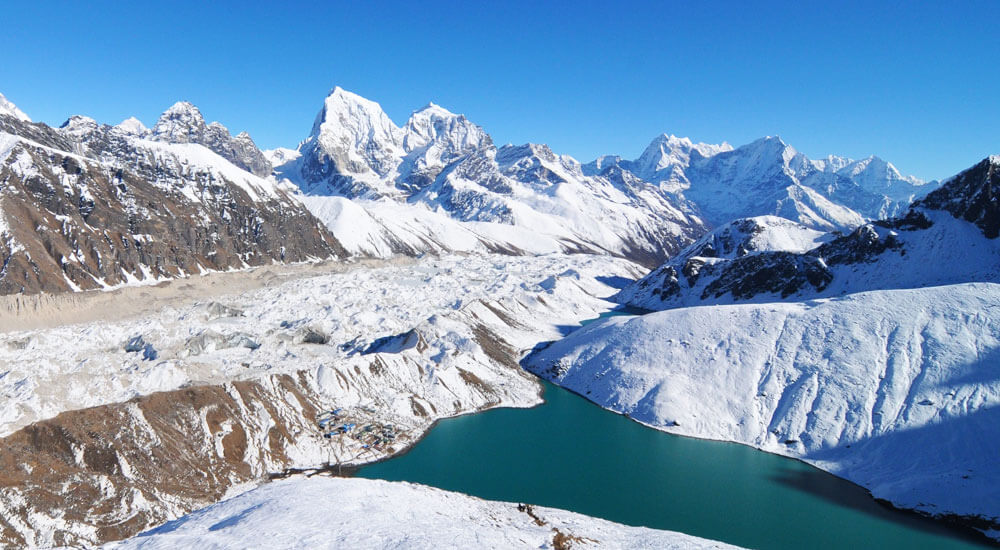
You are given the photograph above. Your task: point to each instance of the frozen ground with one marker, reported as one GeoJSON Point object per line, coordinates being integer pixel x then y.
{"type": "Point", "coordinates": [325, 512]}
{"type": "Point", "coordinates": [896, 390]}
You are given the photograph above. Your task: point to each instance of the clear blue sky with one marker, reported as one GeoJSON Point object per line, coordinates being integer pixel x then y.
{"type": "Point", "coordinates": [915, 82]}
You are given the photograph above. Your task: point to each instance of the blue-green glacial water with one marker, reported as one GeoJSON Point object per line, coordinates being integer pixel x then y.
{"type": "Point", "coordinates": [569, 453]}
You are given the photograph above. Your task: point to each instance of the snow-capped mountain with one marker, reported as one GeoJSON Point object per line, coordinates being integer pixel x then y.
{"type": "Point", "coordinates": [9, 109]}
{"type": "Point", "coordinates": [664, 161]}
{"type": "Point", "coordinates": [644, 209]}
{"type": "Point", "coordinates": [764, 259]}
{"type": "Point", "coordinates": [871, 355]}
{"type": "Point", "coordinates": [90, 206]}
{"type": "Point", "coordinates": [445, 163]}
{"type": "Point", "coordinates": [769, 177]}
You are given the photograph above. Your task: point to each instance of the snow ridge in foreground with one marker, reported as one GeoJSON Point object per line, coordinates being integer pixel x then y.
{"type": "Point", "coordinates": [360, 513]}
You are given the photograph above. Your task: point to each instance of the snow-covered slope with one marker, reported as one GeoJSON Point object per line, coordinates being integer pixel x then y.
{"type": "Point", "coordinates": [382, 228]}
{"type": "Point", "coordinates": [896, 390]}
{"type": "Point", "coordinates": [9, 109]}
{"type": "Point", "coordinates": [90, 206]}
{"type": "Point", "coordinates": [361, 513]}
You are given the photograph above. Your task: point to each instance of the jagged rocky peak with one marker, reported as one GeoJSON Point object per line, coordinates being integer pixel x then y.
{"type": "Point", "coordinates": [972, 196]}
{"type": "Point", "coordinates": [535, 163]}
{"type": "Point", "coordinates": [435, 125]}
{"type": "Point", "coordinates": [349, 122]}
{"type": "Point", "coordinates": [9, 109]}
{"type": "Point", "coordinates": [181, 123]}
{"type": "Point", "coordinates": [184, 123]}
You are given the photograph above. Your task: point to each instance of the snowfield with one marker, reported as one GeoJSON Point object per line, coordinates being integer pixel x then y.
{"type": "Point", "coordinates": [359, 513]}
{"type": "Point", "coordinates": [896, 390]}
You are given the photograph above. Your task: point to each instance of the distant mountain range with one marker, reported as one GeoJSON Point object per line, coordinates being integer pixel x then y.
{"type": "Point", "coordinates": [89, 205]}
{"type": "Point", "coordinates": [645, 209]}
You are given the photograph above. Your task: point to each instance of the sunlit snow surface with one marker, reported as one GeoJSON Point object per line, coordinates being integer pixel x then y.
{"type": "Point", "coordinates": [897, 390]}
{"type": "Point", "coordinates": [361, 513]}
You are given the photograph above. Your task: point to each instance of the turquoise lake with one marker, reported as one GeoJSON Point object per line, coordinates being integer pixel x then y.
{"type": "Point", "coordinates": [569, 453]}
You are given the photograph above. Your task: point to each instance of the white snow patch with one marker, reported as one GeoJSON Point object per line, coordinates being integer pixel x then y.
{"type": "Point", "coordinates": [324, 512]}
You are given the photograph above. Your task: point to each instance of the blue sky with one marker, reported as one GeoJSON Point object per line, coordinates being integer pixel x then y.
{"type": "Point", "coordinates": [914, 82]}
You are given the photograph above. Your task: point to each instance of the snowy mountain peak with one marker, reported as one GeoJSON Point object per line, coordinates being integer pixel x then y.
{"type": "Point", "coordinates": [668, 155]}
{"type": "Point", "coordinates": [435, 124]}
{"type": "Point", "coordinates": [133, 127]}
{"type": "Point", "coordinates": [181, 123]}
{"type": "Point", "coordinates": [347, 113]}
{"type": "Point", "coordinates": [183, 110]}
{"type": "Point", "coordinates": [79, 126]}
{"type": "Point", "coordinates": [9, 109]}
{"type": "Point", "coordinates": [184, 123]}
{"type": "Point", "coordinates": [356, 135]}
{"type": "Point", "coordinates": [432, 107]}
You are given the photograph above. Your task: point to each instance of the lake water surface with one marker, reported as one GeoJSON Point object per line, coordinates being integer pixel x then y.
{"type": "Point", "coordinates": [569, 453]}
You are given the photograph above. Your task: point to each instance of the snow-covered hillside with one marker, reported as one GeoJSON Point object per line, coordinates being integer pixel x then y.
{"type": "Point", "coordinates": [895, 390]}
{"type": "Point", "coordinates": [360, 513]}
{"type": "Point", "coordinates": [927, 248]}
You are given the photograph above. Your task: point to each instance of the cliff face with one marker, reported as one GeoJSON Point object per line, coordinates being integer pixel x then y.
{"type": "Point", "coordinates": [87, 206]}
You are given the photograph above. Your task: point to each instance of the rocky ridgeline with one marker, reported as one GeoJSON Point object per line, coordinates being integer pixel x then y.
{"type": "Point", "coordinates": [88, 206]}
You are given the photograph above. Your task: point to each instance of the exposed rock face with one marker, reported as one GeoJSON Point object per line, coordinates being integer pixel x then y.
{"type": "Point", "coordinates": [88, 206]}
{"type": "Point", "coordinates": [971, 196]}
